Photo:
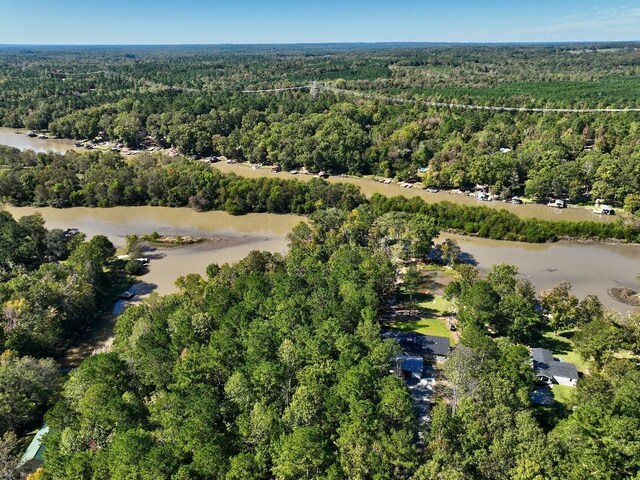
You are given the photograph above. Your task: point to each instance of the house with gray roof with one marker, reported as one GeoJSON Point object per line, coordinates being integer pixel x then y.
{"type": "Point", "coordinates": [430, 346]}
{"type": "Point", "coordinates": [438, 348]}
{"type": "Point", "coordinates": [551, 370]}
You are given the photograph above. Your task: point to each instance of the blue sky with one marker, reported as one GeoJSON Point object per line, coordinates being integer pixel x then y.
{"type": "Point", "coordinates": [301, 21]}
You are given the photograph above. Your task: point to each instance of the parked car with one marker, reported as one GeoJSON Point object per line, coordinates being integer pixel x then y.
{"type": "Point", "coordinates": [127, 295]}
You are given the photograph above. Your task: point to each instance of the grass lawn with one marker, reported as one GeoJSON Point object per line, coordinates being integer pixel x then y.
{"type": "Point", "coordinates": [562, 394]}
{"type": "Point", "coordinates": [429, 318]}
{"type": "Point", "coordinates": [427, 326]}
{"type": "Point", "coordinates": [437, 304]}
{"type": "Point", "coordinates": [562, 347]}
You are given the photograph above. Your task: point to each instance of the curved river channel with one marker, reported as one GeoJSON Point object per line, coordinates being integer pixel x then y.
{"type": "Point", "coordinates": [8, 136]}
{"type": "Point", "coordinates": [590, 267]}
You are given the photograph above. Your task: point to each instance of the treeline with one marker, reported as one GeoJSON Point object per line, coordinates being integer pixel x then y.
{"type": "Point", "coordinates": [491, 430]}
{"type": "Point", "coordinates": [486, 427]}
{"type": "Point", "coordinates": [192, 99]}
{"type": "Point", "coordinates": [52, 285]}
{"type": "Point", "coordinates": [99, 179]}
{"type": "Point", "coordinates": [26, 244]}
{"type": "Point", "coordinates": [107, 179]}
{"type": "Point", "coordinates": [503, 225]}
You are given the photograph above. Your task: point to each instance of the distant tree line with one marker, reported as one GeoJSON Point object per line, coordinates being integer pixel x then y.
{"type": "Point", "coordinates": [107, 179]}
{"type": "Point", "coordinates": [503, 225]}
{"type": "Point", "coordinates": [191, 99]}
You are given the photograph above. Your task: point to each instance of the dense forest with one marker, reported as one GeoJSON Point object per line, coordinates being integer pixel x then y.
{"type": "Point", "coordinates": [192, 98]}
{"type": "Point", "coordinates": [53, 284]}
{"type": "Point", "coordinates": [275, 368]}
{"type": "Point", "coordinates": [105, 179]}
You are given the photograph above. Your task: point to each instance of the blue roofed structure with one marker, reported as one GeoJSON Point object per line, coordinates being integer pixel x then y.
{"type": "Point", "coordinates": [32, 457]}
{"type": "Point", "coordinates": [410, 363]}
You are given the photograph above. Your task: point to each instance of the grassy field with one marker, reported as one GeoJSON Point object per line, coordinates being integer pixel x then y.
{"type": "Point", "coordinates": [429, 317]}
{"type": "Point", "coordinates": [562, 346]}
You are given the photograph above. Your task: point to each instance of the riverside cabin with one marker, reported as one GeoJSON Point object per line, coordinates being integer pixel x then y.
{"type": "Point", "coordinates": [552, 371]}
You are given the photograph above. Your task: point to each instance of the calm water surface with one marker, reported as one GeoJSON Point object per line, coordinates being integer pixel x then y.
{"type": "Point", "coordinates": [590, 267]}
{"type": "Point", "coordinates": [234, 237]}
{"type": "Point", "coordinates": [369, 187]}
{"type": "Point", "coordinates": [8, 136]}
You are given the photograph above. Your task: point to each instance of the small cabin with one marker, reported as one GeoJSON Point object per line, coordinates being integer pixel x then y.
{"type": "Point", "coordinates": [552, 371]}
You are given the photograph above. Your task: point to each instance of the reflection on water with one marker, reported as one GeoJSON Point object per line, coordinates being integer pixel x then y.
{"type": "Point", "coordinates": [8, 136]}
{"type": "Point", "coordinates": [240, 234]}
{"type": "Point", "coordinates": [592, 268]}
{"type": "Point", "coordinates": [117, 222]}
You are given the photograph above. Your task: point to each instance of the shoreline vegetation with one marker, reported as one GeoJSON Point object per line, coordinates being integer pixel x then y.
{"type": "Point", "coordinates": [172, 241]}
{"type": "Point", "coordinates": [274, 344]}
{"type": "Point", "coordinates": [98, 179]}
{"type": "Point", "coordinates": [625, 295]}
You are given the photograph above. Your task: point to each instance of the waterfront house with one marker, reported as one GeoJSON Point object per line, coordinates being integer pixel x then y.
{"type": "Point", "coordinates": [551, 370]}
{"type": "Point", "coordinates": [557, 203]}
{"type": "Point", "coordinates": [427, 346]}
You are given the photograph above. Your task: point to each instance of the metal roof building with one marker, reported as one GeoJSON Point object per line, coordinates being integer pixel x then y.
{"type": "Point", "coordinates": [33, 455]}
{"type": "Point", "coordinates": [553, 370]}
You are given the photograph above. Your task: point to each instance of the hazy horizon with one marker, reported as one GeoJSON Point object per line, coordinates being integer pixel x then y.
{"type": "Point", "coordinates": [336, 43]}
{"type": "Point", "coordinates": [280, 22]}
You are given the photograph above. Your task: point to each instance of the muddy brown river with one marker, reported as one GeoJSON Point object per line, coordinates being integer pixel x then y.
{"type": "Point", "coordinates": [8, 136]}
{"type": "Point", "coordinates": [232, 237]}
{"type": "Point", "coordinates": [369, 187]}
{"type": "Point", "coordinates": [590, 267]}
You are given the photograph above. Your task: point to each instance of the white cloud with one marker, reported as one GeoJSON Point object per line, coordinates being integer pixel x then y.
{"type": "Point", "coordinates": [596, 23]}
